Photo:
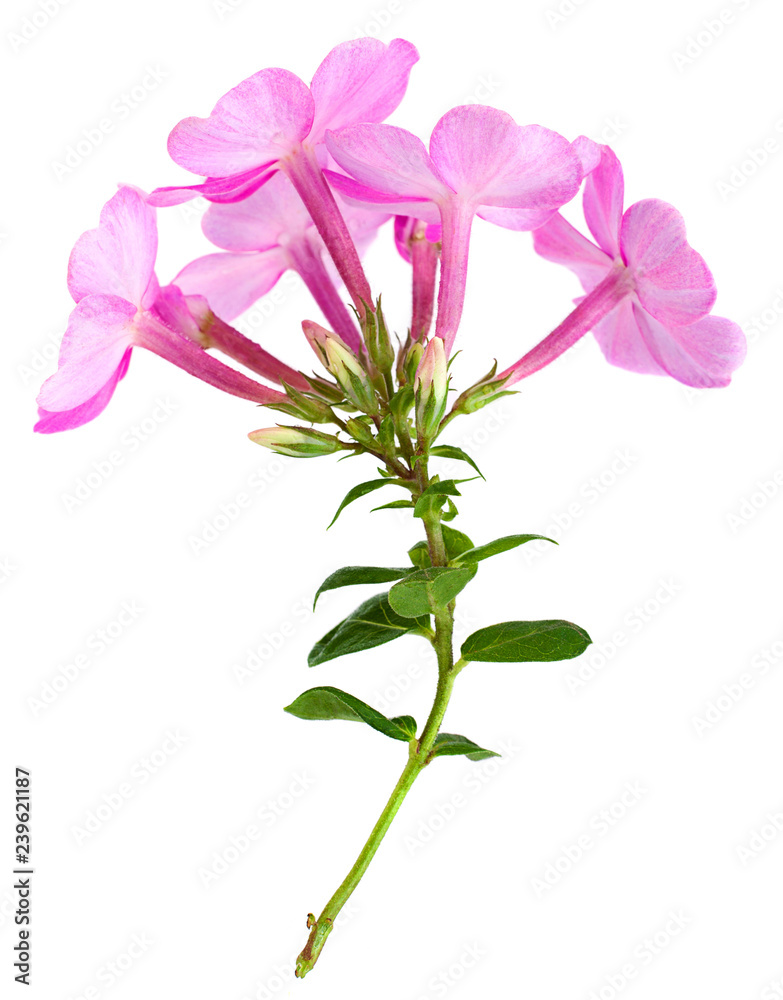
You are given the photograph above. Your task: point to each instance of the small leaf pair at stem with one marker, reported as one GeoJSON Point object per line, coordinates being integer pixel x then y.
{"type": "Point", "coordinates": [321, 703]}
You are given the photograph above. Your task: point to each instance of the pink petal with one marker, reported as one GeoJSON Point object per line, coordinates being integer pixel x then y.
{"type": "Point", "coordinates": [117, 258]}
{"type": "Point", "coordinates": [359, 195]}
{"type": "Point", "coordinates": [51, 421]}
{"type": "Point", "coordinates": [232, 282]}
{"type": "Point", "coordinates": [386, 161]}
{"type": "Point", "coordinates": [260, 120]}
{"type": "Point", "coordinates": [603, 201]}
{"type": "Point", "coordinates": [490, 160]}
{"type": "Point", "coordinates": [589, 153]}
{"type": "Point", "coordinates": [559, 242]}
{"type": "Point", "coordinates": [672, 281]}
{"type": "Point", "coordinates": [520, 219]}
{"type": "Point", "coordinates": [259, 221]}
{"type": "Point", "coordinates": [223, 190]}
{"type": "Point", "coordinates": [702, 355]}
{"type": "Point", "coordinates": [100, 330]}
{"type": "Point", "coordinates": [621, 341]}
{"type": "Point", "coordinates": [360, 81]}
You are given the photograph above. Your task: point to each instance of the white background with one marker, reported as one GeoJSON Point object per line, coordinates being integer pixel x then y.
{"type": "Point", "coordinates": [682, 112]}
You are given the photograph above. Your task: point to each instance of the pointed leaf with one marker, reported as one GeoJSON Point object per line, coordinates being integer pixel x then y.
{"type": "Point", "coordinates": [428, 589]}
{"type": "Point", "coordinates": [451, 451]}
{"type": "Point", "coordinates": [523, 642]}
{"type": "Point", "coordinates": [407, 723]}
{"type": "Point", "coordinates": [349, 576]}
{"type": "Point", "coordinates": [394, 505]}
{"type": "Point", "coordinates": [449, 744]}
{"type": "Point", "coordinates": [361, 490]}
{"type": "Point", "coordinates": [331, 703]}
{"type": "Point", "coordinates": [494, 548]}
{"type": "Point", "coordinates": [373, 623]}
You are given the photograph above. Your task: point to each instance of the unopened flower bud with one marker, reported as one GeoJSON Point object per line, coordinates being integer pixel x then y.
{"type": "Point", "coordinates": [485, 391]}
{"type": "Point", "coordinates": [299, 442]}
{"type": "Point", "coordinates": [343, 364]}
{"type": "Point", "coordinates": [413, 358]}
{"type": "Point", "coordinates": [304, 407]}
{"type": "Point", "coordinates": [378, 341]}
{"type": "Point", "coordinates": [431, 386]}
{"type": "Point", "coordinates": [360, 431]}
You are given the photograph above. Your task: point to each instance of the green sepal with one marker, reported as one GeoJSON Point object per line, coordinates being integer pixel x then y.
{"type": "Point", "coordinates": [351, 576]}
{"type": "Point", "coordinates": [497, 546]}
{"type": "Point", "coordinates": [372, 624]}
{"type": "Point", "coordinates": [359, 491]}
{"type": "Point", "coordinates": [526, 642]}
{"type": "Point", "coordinates": [326, 703]}
{"type": "Point", "coordinates": [451, 451]}
{"type": "Point", "coordinates": [450, 744]}
{"type": "Point", "coordinates": [428, 590]}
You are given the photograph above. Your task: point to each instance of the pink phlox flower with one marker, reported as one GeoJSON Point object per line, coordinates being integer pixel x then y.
{"type": "Point", "coordinates": [480, 162]}
{"type": "Point", "coordinates": [657, 322]}
{"type": "Point", "coordinates": [119, 305]}
{"type": "Point", "coordinates": [272, 114]}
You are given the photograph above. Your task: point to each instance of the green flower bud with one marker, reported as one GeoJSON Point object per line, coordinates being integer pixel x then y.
{"type": "Point", "coordinates": [361, 431]}
{"type": "Point", "coordinates": [378, 341]}
{"type": "Point", "coordinates": [431, 386]}
{"type": "Point", "coordinates": [485, 391]}
{"type": "Point", "coordinates": [299, 442]}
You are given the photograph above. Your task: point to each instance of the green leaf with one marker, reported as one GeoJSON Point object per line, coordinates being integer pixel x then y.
{"type": "Point", "coordinates": [456, 543]}
{"type": "Point", "coordinates": [373, 623]}
{"type": "Point", "coordinates": [451, 451]}
{"type": "Point", "coordinates": [321, 703]}
{"type": "Point", "coordinates": [428, 589]}
{"type": "Point", "coordinates": [407, 723]}
{"type": "Point", "coordinates": [419, 555]}
{"type": "Point", "coordinates": [359, 491]}
{"type": "Point", "coordinates": [394, 505]}
{"type": "Point", "coordinates": [522, 642]}
{"type": "Point", "coordinates": [499, 545]}
{"type": "Point", "coordinates": [350, 576]}
{"type": "Point", "coordinates": [428, 503]}
{"type": "Point", "coordinates": [449, 744]}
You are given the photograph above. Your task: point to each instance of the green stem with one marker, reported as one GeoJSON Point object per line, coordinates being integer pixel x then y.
{"type": "Point", "coordinates": [418, 755]}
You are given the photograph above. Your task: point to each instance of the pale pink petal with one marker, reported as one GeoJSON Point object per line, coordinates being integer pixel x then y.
{"type": "Point", "coordinates": [52, 421]}
{"type": "Point", "coordinates": [117, 258]}
{"type": "Point", "coordinates": [702, 355]}
{"type": "Point", "coordinates": [672, 281]}
{"type": "Point", "coordinates": [260, 120]}
{"type": "Point", "coordinates": [621, 341]}
{"type": "Point", "coordinates": [559, 242]}
{"type": "Point", "coordinates": [363, 80]}
{"type": "Point", "coordinates": [385, 160]}
{"type": "Point", "coordinates": [360, 196]}
{"type": "Point", "coordinates": [490, 160]}
{"type": "Point", "coordinates": [520, 219]}
{"type": "Point", "coordinates": [589, 153]}
{"type": "Point", "coordinates": [222, 190]}
{"type": "Point", "coordinates": [232, 282]}
{"type": "Point", "coordinates": [100, 331]}
{"type": "Point", "coordinates": [260, 221]}
{"type": "Point", "coordinates": [603, 201]}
